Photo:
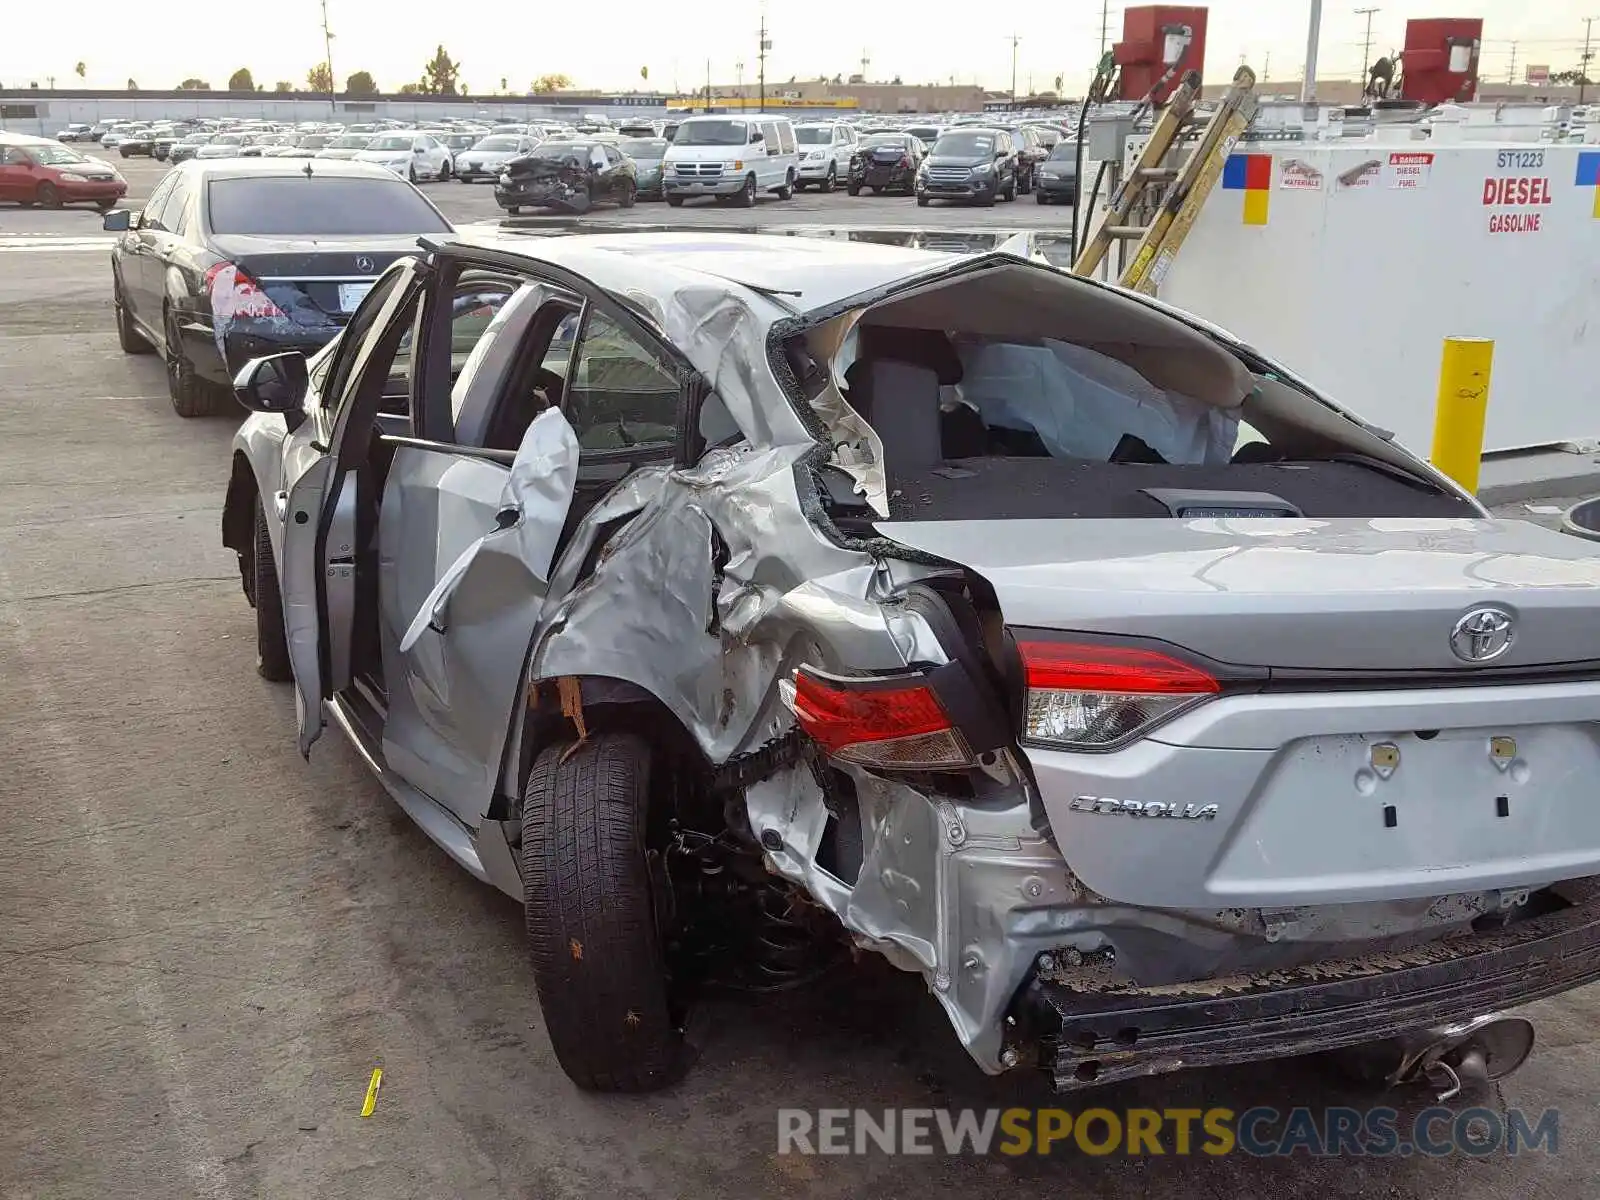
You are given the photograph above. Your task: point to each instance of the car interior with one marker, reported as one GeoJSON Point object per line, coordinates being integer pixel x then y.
{"type": "Point", "coordinates": [1017, 392]}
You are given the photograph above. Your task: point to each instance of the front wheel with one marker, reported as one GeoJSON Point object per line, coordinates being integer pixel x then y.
{"type": "Point", "coordinates": [854, 189]}
{"type": "Point", "coordinates": [922, 202]}
{"type": "Point", "coordinates": [1040, 198]}
{"type": "Point", "coordinates": [272, 644]}
{"type": "Point", "coordinates": [514, 210]}
{"type": "Point", "coordinates": [629, 195]}
{"type": "Point", "coordinates": [831, 180]}
{"type": "Point", "coordinates": [1011, 190]}
{"type": "Point", "coordinates": [445, 171]}
{"type": "Point", "coordinates": [47, 195]}
{"type": "Point", "coordinates": [747, 197]}
{"type": "Point", "coordinates": [674, 201]}
{"type": "Point", "coordinates": [589, 904]}
{"type": "Point", "coordinates": [411, 173]}
{"type": "Point", "coordinates": [128, 337]}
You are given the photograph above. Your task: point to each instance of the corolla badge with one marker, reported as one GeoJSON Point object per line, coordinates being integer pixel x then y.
{"type": "Point", "coordinates": [1105, 806]}
{"type": "Point", "coordinates": [1482, 635]}
{"type": "Point", "coordinates": [363, 263]}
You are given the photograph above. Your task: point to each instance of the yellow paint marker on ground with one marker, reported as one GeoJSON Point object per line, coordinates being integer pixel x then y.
{"type": "Point", "coordinates": [371, 1102]}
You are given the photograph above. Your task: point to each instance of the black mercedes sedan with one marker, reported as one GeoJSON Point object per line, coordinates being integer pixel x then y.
{"type": "Point", "coordinates": [885, 162]}
{"type": "Point", "coordinates": [231, 259]}
{"type": "Point", "coordinates": [571, 176]}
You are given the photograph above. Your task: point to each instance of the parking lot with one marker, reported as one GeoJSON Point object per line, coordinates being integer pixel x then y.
{"type": "Point", "coordinates": [208, 945]}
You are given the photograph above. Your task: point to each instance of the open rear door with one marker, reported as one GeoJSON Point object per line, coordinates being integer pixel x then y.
{"type": "Point", "coordinates": [318, 572]}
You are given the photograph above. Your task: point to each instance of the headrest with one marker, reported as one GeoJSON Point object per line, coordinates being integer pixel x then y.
{"type": "Point", "coordinates": [929, 348]}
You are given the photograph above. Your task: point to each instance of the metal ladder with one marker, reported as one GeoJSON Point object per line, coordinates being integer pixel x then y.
{"type": "Point", "coordinates": [1160, 241]}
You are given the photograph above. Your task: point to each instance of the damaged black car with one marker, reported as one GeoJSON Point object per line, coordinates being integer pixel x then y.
{"type": "Point", "coordinates": [569, 176]}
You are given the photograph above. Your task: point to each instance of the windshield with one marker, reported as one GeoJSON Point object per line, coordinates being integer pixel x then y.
{"type": "Point", "coordinates": [295, 206]}
{"type": "Point", "coordinates": [392, 142]}
{"type": "Point", "coordinates": [54, 156]}
{"type": "Point", "coordinates": [351, 141]}
{"type": "Point", "coordinates": [964, 145]}
{"type": "Point", "coordinates": [1064, 151]}
{"type": "Point", "coordinates": [644, 147]}
{"type": "Point", "coordinates": [502, 142]}
{"type": "Point", "coordinates": [813, 135]}
{"type": "Point", "coordinates": [711, 133]}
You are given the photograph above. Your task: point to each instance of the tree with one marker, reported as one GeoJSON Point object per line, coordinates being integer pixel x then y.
{"type": "Point", "coordinates": [1571, 79]}
{"type": "Point", "coordinates": [241, 81]}
{"type": "Point", "coordinates": [133, 86]}
{"type": "Point", "coordinates": [410, 89]}
{"type": "Point", "coordinates": [552, 83]}
{"type": "Point", "coordinates": [194, 85]}
{"type": "Point", "coordinates": [283, 85]}
{"type": "Point", "coordinates": [502, 83]}
{"type": "Point", "coordinates": [79, 70]}
{"type": "Point", "coordinates": [361, 83]}
{"type": "Point", "coordinates": [440, 73]}
{"type": "Point", "coordinates": [320, 78]}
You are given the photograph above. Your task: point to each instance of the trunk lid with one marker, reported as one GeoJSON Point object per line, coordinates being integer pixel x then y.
{"type": "Point", "coordinates": [1376, 597]}
{"type": "Point", "coordinates": [334, 272]}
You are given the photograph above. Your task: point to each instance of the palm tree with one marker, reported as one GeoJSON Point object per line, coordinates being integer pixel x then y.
{"type": "Point", "coordinates": [79, 70]}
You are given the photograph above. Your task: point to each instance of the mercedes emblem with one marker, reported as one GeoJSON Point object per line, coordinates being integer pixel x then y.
{"type": "Point", "coordinates": [363, 263]}
{"type": "Point", "coordinates": [1482, 635]}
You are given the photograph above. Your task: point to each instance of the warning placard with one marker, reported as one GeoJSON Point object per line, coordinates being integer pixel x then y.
{"type": "Point", "coordinates": [1409, 170]}
{"type": "Point", "coordinates": [1296, 175]}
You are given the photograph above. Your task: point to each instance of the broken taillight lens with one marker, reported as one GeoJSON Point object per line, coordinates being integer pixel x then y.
{"type": "Point", "coordinates": [890, 723]}
{"type": "Point", "coordinates": [1094, 696]}
{"type": "Point", "coordinates": [235, 293]}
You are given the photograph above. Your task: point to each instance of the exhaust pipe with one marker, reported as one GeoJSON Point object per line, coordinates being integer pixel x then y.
{"type": "Point", "coordinates": [1471, 1053]}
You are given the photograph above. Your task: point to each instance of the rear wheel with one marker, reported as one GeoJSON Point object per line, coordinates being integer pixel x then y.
{"type": "Point", "coordinates": [674, 201]}
{"type": "Point", "coordinates": [629, 195]}
{"type": "Point", "coordinates": [128, 337]}
{"type": "Point", "coordinates": [445, 170]}
{"type": "Point", "coordinates": [591, 917]}
{"type": "Point", "coordinates": [272, 644]}
{"type": "Point", "coordinates": [854, 189]}
{"type": "Point", "coordinates": [514, 209]}
{"type": "Point", "coordinates": [47, 195]}
{"type": "Point", "coordinates": [1011, 189]}
{"type": "Point", "coordinates": [922, 202]}
{"type": "Point", "coordinates": [787, 190]}
{"type": "Point", "coordinates": [191, 395]}
{"type": "Point", "coordinates": [747, 197]}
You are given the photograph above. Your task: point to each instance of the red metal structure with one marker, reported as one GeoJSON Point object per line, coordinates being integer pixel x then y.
{"type": "Point", "coordinates": [1142, 52]}
{"type": "Point", "coordinates": [1440, 63]}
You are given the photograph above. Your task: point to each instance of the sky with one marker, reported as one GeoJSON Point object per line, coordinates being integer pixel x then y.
{"type": "Point", "coordinates": [605, 46]}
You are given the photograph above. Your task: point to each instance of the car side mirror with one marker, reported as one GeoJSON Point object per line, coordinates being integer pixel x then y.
{"type": "Point", "coordinates": [277, 383]}
{"type": "Point", "coordinates": [757, 137]}
{"type": "Point", "coordinates": [419, 149]}
{"type": "Point", "coordinates": [118, 220]}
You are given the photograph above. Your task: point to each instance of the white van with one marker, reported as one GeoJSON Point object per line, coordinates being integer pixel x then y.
{"type": "Point", "coordinates": [734, 157]}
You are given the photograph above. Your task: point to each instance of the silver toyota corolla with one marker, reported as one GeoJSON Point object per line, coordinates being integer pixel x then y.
{"type": "Point", "coordinates": [730, 600]}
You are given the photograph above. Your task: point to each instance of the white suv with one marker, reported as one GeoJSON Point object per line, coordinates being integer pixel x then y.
{"type": "Point", "coordinates": [825, 151]}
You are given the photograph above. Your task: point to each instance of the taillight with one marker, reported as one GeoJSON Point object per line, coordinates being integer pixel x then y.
{"type": "Point", "coordinates": [1095, 696]}
{"type": "Point", "coordinates": [890, 723]}
{"type": "Point", "coordinates": [906, 161]}
{"type": "Point", "coordinates": [234, 293]}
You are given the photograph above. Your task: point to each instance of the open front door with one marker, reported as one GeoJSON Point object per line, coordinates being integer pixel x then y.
{"type": "Point", "coordinates": [318, 571]}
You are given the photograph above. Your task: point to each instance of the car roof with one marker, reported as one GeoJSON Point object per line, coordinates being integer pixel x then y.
{"type": "Point", "coordinates": [804, 272]}
{"type": "Point", "coordinates": [257, 168]}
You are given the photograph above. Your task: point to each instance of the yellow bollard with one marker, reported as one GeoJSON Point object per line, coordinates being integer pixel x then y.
{"type": "Point", "coordinates": [1463, 408]}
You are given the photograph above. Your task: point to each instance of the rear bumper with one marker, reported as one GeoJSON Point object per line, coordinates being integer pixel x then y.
{"type": "Point", "coordinates": [244, 341]}
{"type": "Point", "coordinates": [897, 177]}
{"type": "Point", "coordinates": [1103, 1036]}
{"type": "Point", "coordinates": [1063, 189]}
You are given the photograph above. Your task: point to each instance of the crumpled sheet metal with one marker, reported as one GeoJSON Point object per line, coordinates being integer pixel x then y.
{"type": "Point", "coordinates": [533, 512]}
{"type": "Point", "coordinates": [298, 313]}
{"type": "Point", "coordinates": [965, 895]}
{"type": "Point", "coordinates": [857, 448]}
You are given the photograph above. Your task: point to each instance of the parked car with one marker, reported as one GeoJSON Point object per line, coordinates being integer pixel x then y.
{"type": "Point", "coordinates": [488, 156]}
{"type": "Point", "coordinates": [975, 164]}
{"type": "Point", "coordinates": [826, 149]}
{"type": "Point", "coordinates": [73, 133]}
{"type": "Point", "coordinates": [269, 145]}
{"type": "Point", "coordinates": [414, 155]}
{"type": "Point", "coordinates": [309, 145]}
{"type": "Point", "coordinates": [1031, 151]}
{"type": "Point", "coordinates": [886, 162]}
{"type": "Point", "coordinates": [44, 172]}
{"type": "Point", "coordinates": [226, 145]}
{"type": "Point", "coordinates": [1147, 743]}
{"type": "Point", "coordinates": [572, 176]}
{"type": "Point", "coordinates": [346, 145]}
{"type": "Point", "coordinates": [228, 260]}
{"type": "Point", "coordinates": [735, 159]}
{"type": "Point", "coordinates": [639, 129]}
{"type": "Point", "coordinates": [187, 147]}
{"type": "Point", "coordinates": [458, 142]}
{"type": "Point", "coordinates": [648, 155]}
{"type": "Point", "coordinates": [139, 141]}
{"type": "Point", "coordinates": [926, 134]}
{"type": "Point", "coordinates": [1058, 175]}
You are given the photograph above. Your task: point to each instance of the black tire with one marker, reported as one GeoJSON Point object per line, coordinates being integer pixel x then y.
{"type": "Point", "coordinates": [445, 171]}
{"type": "Point", "coordinates": [922, 202]}
{"type": "Point", "coordinates": [128, 337]}
{"type": "Point", "coordinates": [411, 174]}
{"type": "Point", "coordinates": [747, 197]}
{"type": "Point", "coordinates": [592, 936]}
{"type": "Point", "coordinates": [105, 205]}
{"type": "Point", "coordinates": [191, 395]}
{"type": "Point", "coordinates": [47, 195]}
{"type": "Point", "coordinates": [1011, 190]}
{"type": "Point", "coordinates": [853, 188]}
{"type": "Point", "coordinates": [514, 209]}
{"type": "Point", "coordinates": [629, 195]}
{"type": "Point", "coordinates": [787, 190]}
{"type": "Point", "coordinates": [674, 201]}
{"type": "Point", "coordinates": [272, 644]}
{"type": "Point", "coordinates": [1040, 198]}
{"type": "Point", "coordinates": [988, 201]}
{"type": "Point", "coordinates": [832, 179]}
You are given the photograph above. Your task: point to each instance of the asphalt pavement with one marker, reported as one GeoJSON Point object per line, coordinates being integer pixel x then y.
{"type": "Point", "coordinates": [207, 944]}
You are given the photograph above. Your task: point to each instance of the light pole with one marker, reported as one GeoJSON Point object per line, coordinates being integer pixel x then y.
{"type": "Point", "coordinates": [1015, 39]}
{"type": "Point", "coordinates": [1588, 55]}
{"type": "Point", "coordinates": [327, 51]}
{"type": "Point", "coordinates": [1366, 42]}
{"type": "Point", "coordinates": [1308, 88]}
{"type": "Point", "coordinates": [762, 58]}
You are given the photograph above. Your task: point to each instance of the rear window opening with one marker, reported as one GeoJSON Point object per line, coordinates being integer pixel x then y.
{"type": "Point", "coordinates": [1015, 393]}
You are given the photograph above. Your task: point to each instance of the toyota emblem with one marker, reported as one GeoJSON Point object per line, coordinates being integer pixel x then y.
{"type": "Point", "coordinates": [1482, 635]}
{"type": "Point", "coordinates": [363, 263]}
